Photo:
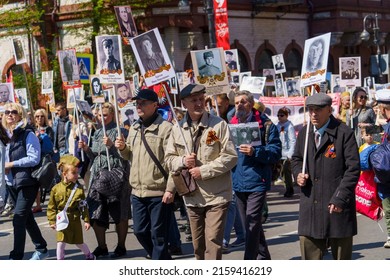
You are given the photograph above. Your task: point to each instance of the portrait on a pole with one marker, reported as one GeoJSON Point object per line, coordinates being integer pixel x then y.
{"type": "Point", "coordinates": [278, 63]}
{"type": "Point", "coordinates": [6, 94]}
{"type": "Point", "coordinates": [19, 54]}
{"type": "Point", "coordinates": [109, 57]}
{"type": "Point", "coordinates": [69, 68]}
{"type": "Point", "coordinates": [47, 82]}
{"type": "Point", "coordinates": [152, 57]}
{"type": "Point", "coordinates": [231, 60]}
{"type": "Point", "coordinates": [126, 23]}
{"type": "Point", "coordinates": [350, 71]}
{"type": "Point", "coordinates": [315, 60]}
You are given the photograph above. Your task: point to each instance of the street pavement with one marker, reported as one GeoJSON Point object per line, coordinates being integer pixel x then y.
{"type": "Point", "coordinates": [280, 231]}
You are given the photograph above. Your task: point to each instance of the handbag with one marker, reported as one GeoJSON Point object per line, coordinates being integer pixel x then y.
{"type": "Point", "coordinates": [184, 182]}
{"type": "Point", "coordinates": [45, 171]}
{"type": "Point", "coordinates": [62, 221]}
{"type": "Point", "coordinates": [110, 183]}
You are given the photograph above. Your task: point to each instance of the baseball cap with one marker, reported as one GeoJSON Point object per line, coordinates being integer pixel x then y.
{"type": "Point", "coordinates": [146, 94]}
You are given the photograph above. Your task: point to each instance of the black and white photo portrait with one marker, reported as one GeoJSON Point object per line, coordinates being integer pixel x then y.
{"type": "Point", "coordinates": [279, 91]}
{"type": "Point", "coordinates": [151, 55]}
{"type": "Point", "coordinates": [68, 65]}
{"type": "Point", "coordinates": [207, 67]}
{"type": "Point", "coordinates": [350, 71]}
{"type": "Point", "coordinates": [19, 55]}
{"type": "Point", "coordinates": [292, 88]}
{"type": "Point", "coordinates": [125, 21]}
{"type": "Point", "coordinates": [369, 82]}
{"type": "Point", "coordinates": [21, 94]}
{"type": "Point", "coordinates": [47, 81]}
{"type": "Point", "coordinates": [231, 60]}
{"type": "Point", "coordinates": [315, 56]}
{"type": "Point", "coordinates": [278, 62]}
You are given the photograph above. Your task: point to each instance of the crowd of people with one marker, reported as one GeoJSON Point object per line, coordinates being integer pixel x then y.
{"type": "Point", "coordinates": [229, 182]}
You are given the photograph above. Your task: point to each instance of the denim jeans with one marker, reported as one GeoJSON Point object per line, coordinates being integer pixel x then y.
{"type": "Point", "coordinates": [23, 199]}
{"type": "Point", "coordinates": [233, 220]}
{"type": "Point", "coordinates": [250, 205]}
{"type": "Point", "coordinates": [151, 220]}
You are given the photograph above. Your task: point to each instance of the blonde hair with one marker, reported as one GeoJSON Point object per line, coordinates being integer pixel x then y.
{"type": "Point", "coordinates": [65, 167]}
{"type": "Point", "coordinates": [43, 112]}
{"type": "Point", "coordinates": [21, 112]}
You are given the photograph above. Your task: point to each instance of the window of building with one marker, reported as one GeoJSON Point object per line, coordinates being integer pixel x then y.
{"type": "Point", "coordinates": [293, 63]}
{"type": "Point", "coordinates": [265, 61]}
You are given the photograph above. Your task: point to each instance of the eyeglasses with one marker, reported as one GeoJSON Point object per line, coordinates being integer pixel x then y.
{"type": "Point", "coordinates": [143, 103]}
{"type": "Point", "coordinates": [363, 97]}
{"type": "Point", "coordinates": [281, 115]}
{"type": "Point", "coordinates": [13, 112]}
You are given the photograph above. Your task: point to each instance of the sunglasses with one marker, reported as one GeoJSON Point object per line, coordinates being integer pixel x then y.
{"type": "Point", "coordinates": [13, 112]}
{"type": "Point", "coordinates": [363, 97]}
{"type": "Point", "coordinates": [281, 115]}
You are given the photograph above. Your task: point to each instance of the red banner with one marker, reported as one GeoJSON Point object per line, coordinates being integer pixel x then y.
{"type": "Point", "coordinates": [221, 24]}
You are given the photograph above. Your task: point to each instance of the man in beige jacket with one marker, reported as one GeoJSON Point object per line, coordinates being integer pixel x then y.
{"type": "Point", "coordinates": [152, 202]}
{"type": "Point", "coordinates": [212, 157]}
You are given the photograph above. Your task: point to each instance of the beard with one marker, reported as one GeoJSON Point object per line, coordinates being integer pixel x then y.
{"type": "Point", "coordinates": [241, 114]}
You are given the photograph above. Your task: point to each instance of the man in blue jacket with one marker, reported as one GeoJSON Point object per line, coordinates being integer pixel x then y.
{"type": "Point", "coordinates": [61, 127]}
{"type": "Point", "coordinates": [252, 174]}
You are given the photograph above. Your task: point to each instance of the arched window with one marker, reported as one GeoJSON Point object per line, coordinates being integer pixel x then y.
{"type": "Point", "coordinates": [265, 61]}
{"type": "Point", "coordinates": [293, 63]}
{"type": "Point", "coordinates": [244, 65]}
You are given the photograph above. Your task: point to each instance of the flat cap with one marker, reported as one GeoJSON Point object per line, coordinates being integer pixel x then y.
{"type": "Point", "coordinates": [146, 94]}
{"type": "Point", "coordinates": [69, 159]}
{"type": "Point", "coordinates": [107, 41]}
{"type": "Point", "coordinates": [319, 99]}
{"type": "Point", "coordinates": [383, 96]}
{"type": "Point", "coordinates": [208, 54]}
{"type": "Point", "coordinates": [192, 89]}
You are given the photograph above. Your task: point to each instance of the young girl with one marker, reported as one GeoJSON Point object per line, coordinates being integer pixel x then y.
{"type": "Point", "coordinates": [59, 196]}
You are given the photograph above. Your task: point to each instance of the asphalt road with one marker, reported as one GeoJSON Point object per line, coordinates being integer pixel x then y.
{"type": "Point", "coordinates": [280, 231]}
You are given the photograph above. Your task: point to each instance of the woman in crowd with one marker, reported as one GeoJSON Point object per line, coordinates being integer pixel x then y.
{"type": "Point", "coordinates": [22, 153]}
{"type": "Point", "coordinates": [45, 135]}
{"type": "Point", "coordinates": [362, 115]}
{"type": "Point", "coordinates": [103, 210]}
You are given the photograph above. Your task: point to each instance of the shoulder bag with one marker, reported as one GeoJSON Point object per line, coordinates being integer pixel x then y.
{"type": "Point", "coordinates": [62, 221]}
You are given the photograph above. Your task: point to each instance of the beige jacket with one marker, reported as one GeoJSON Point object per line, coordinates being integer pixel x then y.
{"type": "Point", "coordinates": [146, 179]}
{"type": "Point", "coordinates": [216, 157]}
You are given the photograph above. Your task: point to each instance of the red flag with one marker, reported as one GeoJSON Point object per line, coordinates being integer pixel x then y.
{"type": "Point", "coordinates": [221, 24]}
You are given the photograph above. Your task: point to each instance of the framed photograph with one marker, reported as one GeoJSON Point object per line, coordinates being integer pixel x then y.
{"type": "Point", "coordinates": [253, 84]}
{"type": "Point", "coordinates": [269, 75]}
{"type": "Point", "coordinates": [245, 133]}
{"type": "Point", "coordinates": [231, 60]}
{"type": "Point", "coordinates": [279, 88]}
{"type": "Point", "coordinates": [69, 68]}
{"type": "Point", "coordinates": [84, 108]}
{"type": "Point", "coordinates": [136, 84]}
{"type": "Point", "coordinates": [96, 89]}
{"type": "Point", "coordinates": [6, 94]}
{"type": "Point", "coordinates": [292, 86]}
{"type": "Point", "coordinates": [183, 80]}
{"type": "Point", "coordinates": [174, 85]}
{"type": "Point", "coordinates": [350, 71]}
{"type": "Point", "coordinates": [335, 84]}
{"type": "Point", "coordinates": [126, 23]}
{"type": "Point", "coordinates": [19, 55]}
{"type": "Point", "coordinates": [210, 70]}
{"type": "Point", "coordinates": [152, 57]}
{"type": "Point", "coordinates": [278, 62]}
{"type": "Point", "coordinates": [128, 115]}
{"type": "Point", "coordinates": [109, 57]}
{"type": "Point", "coordinates": [74, 94]}
{"type": "Point", "coordinates": [21, 95]}
{"type": "Point", "coordinates": [50, 100]}
{"type": "Point", "coordinates": [315, 60]}
{"type": "Point", "coordinates": [369, 82]}
{"type": "Point", "coordinates": [123, 94]}
{"type": "Point", "coordinates": [85, 63]}
{"type": "Point", "coordinates": [108, 92]}
{"type": "Point", "coordinates": [47, 82]}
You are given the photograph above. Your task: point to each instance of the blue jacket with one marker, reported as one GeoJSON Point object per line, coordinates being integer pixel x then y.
{"type": "Point", "coordinates": [253, 173]}
{"type": "Point", "coordinates": [384, 189]}
{"type": "Point", "coordinates": [68, 127]}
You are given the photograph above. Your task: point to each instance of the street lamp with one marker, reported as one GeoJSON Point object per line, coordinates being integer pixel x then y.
{"type": "Point", "coordinates": [183, 5]}
{"type": "Point", "coordinates": [371, 22]}
{"type": "Point", "coordinates": [209, 9]}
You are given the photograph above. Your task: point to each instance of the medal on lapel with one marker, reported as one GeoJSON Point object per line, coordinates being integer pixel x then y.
{"type": "Point", "coordinates": [330, 151]}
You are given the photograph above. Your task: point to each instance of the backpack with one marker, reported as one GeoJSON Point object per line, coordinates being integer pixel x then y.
{"type": "Point", "coordinates": [365, 157]}
{"type": "Point", "coordinates": [380, 162]}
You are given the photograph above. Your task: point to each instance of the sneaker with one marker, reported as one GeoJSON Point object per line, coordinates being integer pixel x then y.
{"type": "Point", "coordinates": [100, 252]}
{"type": "Point", "coordinates": [225, 248]}
{"type": "Point", "coordinates": [7, 210]}
{"type": "Point", "coordinates": [238, 243]}
{"type": "Point", "coordinates": [39, 256]}
{"type": "Point", "coordinates": [279, 182]}
{"type": "Point", "coordinates": [119, 252]}
{"type": "Point", "coordinates": [90, 257]}
{"type": "Point", "coordinates": [387, 244]}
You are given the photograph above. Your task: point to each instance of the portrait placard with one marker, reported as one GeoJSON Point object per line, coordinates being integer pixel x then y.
{"type": "Point", "coordinates": [292, 86]}
{"type": "Point", "coordinates": [96, 89]}
{"type": "Point", "coordinates": [231, 60]}
{"type": "Point", "coordinates": [84, 108]}
{"type": "Point", "coordinates": [210, 70]}
{"type": "Point", "coordinates": [19, 55]}
{"type": "Point", "coordinates": [109, 57]}
{"type": "Point", "coordinates": [126, 23]}
{"type": "Point", "coordinates": [350, 71]}
{"type": "Point", "coordinates": [73, 94]}
{"type": "Point", "coordinates": [123, 94]}
{"type": "Point", "coordinates": [6, 94]}
{"type": "Point", "coordinates": [278, 62]}
{"type": "Point", "coordinates": [21, 95]}
{"type": "Point", "coordinates": [335, 84]}
{"type": "Point", "coordinates": [183, 79]}
{"type": "Point", "coordinates": [69, 68]}
{"type": "Point", "coordinates": [47, 82]}
{"type": "Point", "coordinates": [152, 57]}
{"type": "Point", "coordinates": [269, 75]}
{"type": "Point", "coordinates": [245, 133]}
{"type": "Point", "coordinates": [315, 60]}
{"type": "Point", "coordinates": [128, 115]}
{"type": "Point", "coordinates": [253, 84]}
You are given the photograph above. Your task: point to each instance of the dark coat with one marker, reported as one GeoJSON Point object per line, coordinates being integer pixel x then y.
{"type": "Point", "coordinates": [333, 175]}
